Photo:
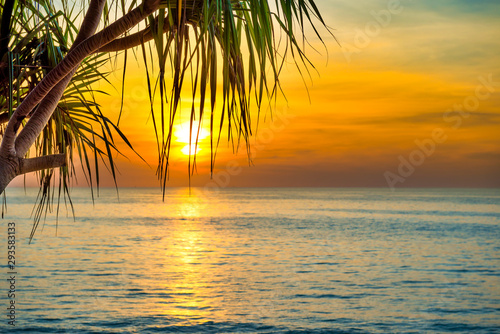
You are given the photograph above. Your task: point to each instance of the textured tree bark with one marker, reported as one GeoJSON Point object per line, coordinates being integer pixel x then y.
{"type": "Point", "coordinates": [34, 126]}
{"type": "Point", "coordinates": [72, 59]}
{"type": "Point", "coordinates": [49, 91]}
{"type": "Point", "coordinates": [8, 170]}
{"type": "Point", "coordinates": [133, 40]}
{"type": "Point", "coordinates": [11, 167]}
{"type": "Point", "coordinates": [39, 163]}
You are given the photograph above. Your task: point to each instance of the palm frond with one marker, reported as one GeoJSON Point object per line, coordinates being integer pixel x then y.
{"type": "Point", "coordinates": [40, 36]}
{"type": "Point", "coordinates": [205, 41]}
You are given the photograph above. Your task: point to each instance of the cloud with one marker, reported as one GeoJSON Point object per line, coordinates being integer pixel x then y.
{"type": "Point", "coordinates": [493, 156]}
{"type": "Point", "coordinates": [475, 119]}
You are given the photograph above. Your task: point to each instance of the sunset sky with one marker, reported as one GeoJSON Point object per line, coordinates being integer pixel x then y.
{"type": "Point", "coordinates": [406, 73]}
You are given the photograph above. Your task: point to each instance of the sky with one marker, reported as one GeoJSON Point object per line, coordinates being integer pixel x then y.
{"type": "Point", "coordinates": [408, 97]}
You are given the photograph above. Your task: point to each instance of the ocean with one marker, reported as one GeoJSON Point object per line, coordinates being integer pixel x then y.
{"type": "Point", "coordinates": [257, 260]}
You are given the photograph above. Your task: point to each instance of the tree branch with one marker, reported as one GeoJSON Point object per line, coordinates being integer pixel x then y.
{"type": "Point", "coordinates": [35, 125]}
{"type": "Point", "coordinates": [41, 163]}
{"type": "Point", "coordinates": [72, 59]}
{"type": "Point", "coordinates": [133, 40]}
{"type": "Point", "coordinates": [90, 22]}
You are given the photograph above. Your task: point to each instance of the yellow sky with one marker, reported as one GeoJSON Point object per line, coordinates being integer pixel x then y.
{"type": "Point", "coordinates": [408, 73]}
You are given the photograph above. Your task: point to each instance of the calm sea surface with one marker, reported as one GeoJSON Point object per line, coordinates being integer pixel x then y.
{"type": "Point", "coordinates": [258, 261]}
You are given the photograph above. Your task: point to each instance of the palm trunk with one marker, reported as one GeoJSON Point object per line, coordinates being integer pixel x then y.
{"type": "Point", "coordinates": [8, 171]}
{"type": "Point", "coordinates": [49, 91]}
{"type": "Point", "coordinates": [133, 40]}
{"type": "Point", "coordinates": [72, 59]}
{"type": "Point", "coordinates": [11, 166]}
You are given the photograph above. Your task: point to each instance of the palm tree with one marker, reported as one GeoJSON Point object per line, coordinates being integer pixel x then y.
{"type": "Point", "coordinates": [34, 38]}
{"type": "Point", "coordinates": [202, 39]}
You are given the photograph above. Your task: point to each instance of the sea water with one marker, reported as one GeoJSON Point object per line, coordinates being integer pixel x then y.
{"type": "Point", "coordinates": [256, 261]}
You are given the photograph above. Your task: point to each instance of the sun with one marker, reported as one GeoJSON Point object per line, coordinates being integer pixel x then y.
{"type": "Point", "coordinates": [183, 134]}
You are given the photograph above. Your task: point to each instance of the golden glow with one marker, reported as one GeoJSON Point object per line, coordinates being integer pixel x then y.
{"type": "Point", "coordinates": [186, 257]}
{"type": "Point", "coordinates": [186, 134]}
{"type": "Point", "coordinates": [190, 149]}
{"type": "Point", "coordinates": [368, 107]}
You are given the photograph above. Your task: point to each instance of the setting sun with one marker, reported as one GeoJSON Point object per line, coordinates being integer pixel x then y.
{"type": "Point", "coordinates": [234, 166]}
{"type": "Point", "coordinates": [184, 135]}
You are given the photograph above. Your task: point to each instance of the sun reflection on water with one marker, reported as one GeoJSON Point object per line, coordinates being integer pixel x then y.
{"type": "Point", "coordinates": [188, 269]}
{"type": "Point", "coordinates": [192, 205]}
{"type": "Point", "coordinates": [240, 258]}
